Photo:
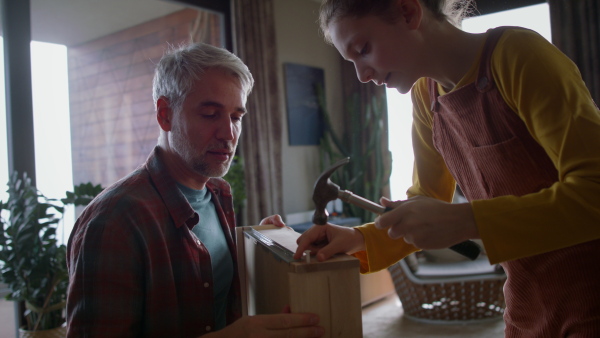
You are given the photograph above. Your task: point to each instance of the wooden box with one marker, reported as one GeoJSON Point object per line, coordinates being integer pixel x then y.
{"type": "Point", "coordinates": [272, 279]}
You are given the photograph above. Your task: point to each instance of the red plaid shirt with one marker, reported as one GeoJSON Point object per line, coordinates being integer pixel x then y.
{"type": "Point", "coordinates": [135, 267]}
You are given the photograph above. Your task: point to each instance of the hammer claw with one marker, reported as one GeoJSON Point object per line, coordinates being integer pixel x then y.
{"type": "Point", "coordinates": [326, 191]}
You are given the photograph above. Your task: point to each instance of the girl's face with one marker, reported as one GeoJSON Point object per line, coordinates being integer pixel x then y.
{"type": "Point", "coordinates": [381, 51]}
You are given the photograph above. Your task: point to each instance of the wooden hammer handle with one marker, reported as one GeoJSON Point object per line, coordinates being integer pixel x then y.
{"type": "Point", "coordinates": [348, 196]}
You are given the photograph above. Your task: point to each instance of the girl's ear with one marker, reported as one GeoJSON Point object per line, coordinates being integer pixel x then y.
{"type": "Point", "coordinates": [164, 113]}
{"type": "Point", "coordinates": [411, 12]}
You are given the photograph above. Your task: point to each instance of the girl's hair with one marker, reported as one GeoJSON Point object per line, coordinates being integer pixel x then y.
{"type": "Point", "coordinates": [331, 10]}
{"type": "Point", "coordinates": [178, 69]}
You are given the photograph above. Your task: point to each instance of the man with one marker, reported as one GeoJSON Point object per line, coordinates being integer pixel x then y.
{"type": "Point", "coordinates": [154, 254]}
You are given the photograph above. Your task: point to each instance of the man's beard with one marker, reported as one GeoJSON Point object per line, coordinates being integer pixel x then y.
{"type": "Point", "coordinates": [198, 163]}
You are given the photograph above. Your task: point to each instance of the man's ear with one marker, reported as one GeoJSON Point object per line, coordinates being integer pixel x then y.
{"type": "Point", "coordinates": [412, 12]}
{"type": "Point", "coordinates": [164, 113]}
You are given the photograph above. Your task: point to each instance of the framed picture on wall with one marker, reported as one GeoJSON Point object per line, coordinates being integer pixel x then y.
{"type": "Point", "coordinates": [305, 120]}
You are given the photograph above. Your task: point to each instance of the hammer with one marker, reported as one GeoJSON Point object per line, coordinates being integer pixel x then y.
{"type": "Point", "coordinates": [325, 191]}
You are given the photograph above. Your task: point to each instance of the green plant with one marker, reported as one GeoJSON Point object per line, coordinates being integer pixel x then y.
{"type": "Point", "coordinates": [366, 174]}
{"type": "Point", "coordinates": [82, 194]}
{"type": "Point", "coordinates": [33, 263]}
{"type": "Point", "coordinates": [235, 178]}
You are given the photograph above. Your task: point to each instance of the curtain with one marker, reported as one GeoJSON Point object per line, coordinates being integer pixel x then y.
{"type": "Point", "coordinates": [366, 92]}
{"type": "Point", "coordinates": [260, 144]}
{"type": "Point", "coordinates": [575, 26]}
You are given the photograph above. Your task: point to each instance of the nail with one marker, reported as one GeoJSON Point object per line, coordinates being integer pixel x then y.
{"type": "Point", "coordinates": [307, 256]}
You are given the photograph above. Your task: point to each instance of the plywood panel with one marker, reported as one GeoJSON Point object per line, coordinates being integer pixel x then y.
{"type": "Point", "coordinates": [271, 279]}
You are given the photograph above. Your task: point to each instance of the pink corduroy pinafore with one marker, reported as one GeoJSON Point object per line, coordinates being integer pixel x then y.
{"type": "Point", "coordinates": [490, 153]}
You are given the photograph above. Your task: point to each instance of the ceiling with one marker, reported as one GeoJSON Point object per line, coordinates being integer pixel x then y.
{"type": "Point", "coordinates": [71, 22]}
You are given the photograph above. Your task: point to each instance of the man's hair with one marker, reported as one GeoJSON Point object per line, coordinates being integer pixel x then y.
{"type": "Point", "coordinates": [331, 10]}
{"type": "Point", "coordinates": [180, 67]}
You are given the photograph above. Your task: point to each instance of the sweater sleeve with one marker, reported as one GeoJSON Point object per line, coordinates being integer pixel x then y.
{"type": "Point", "coordinates": [381, 251]}
{"type": "Point", "coordinates": [545, 88]}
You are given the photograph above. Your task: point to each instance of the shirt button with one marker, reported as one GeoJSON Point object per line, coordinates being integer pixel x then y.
{"type": "Point", "coordinates": [208, 328]}
{"type": "Point", "coordinates": [206, 285]}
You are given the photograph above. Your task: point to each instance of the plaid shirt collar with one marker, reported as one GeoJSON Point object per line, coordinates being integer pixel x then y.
{"type": "Point", "coordinates": [177, 205]}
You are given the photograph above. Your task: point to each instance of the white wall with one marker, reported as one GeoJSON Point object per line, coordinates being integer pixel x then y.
{"type": "Point", "coordinates": [299, 41]}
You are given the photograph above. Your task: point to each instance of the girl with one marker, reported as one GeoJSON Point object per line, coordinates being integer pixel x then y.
{"type": "Point", "coordinates": [507, 117]}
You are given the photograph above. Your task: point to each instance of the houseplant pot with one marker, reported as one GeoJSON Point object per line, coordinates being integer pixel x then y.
{"type": "Point", "coordinates": [57, 332]}
{"type": "Point", "coordinates": [32, 262]}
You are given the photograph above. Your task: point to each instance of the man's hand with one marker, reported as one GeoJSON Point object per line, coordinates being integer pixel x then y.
{"type": "Point", "coordinates": [428, 223]}
{"type": "Point", "coordinates": [328, 240]}
{"type": "Point", "coordinates": [284, 325]}
{"type": "Point", "coordinates": [274, 219]}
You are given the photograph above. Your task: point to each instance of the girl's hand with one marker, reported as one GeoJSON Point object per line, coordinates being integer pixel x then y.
{"type": "Point", "coordinates": [273, 219]}
{"type": "Point", "coordinates": [428, 223]}
{"type": "Point", "coordinates": [327, 240]}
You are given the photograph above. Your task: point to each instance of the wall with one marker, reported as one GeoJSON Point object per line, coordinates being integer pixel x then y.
{"type": "Point", "coordinates": [113, 125]}
{"type": "Point", "coordinates": [299, 41]}
{"type": "Point", "coordinates": [107, 144]}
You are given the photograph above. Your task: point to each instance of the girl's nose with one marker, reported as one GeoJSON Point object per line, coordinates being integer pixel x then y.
{"type": "Point", "coordinates": [364, 74]}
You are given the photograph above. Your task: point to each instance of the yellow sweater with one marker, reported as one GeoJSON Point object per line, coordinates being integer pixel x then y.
{"type": "Point", "coordinates": [545, 89]}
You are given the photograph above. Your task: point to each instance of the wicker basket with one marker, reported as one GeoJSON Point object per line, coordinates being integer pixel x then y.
{"type": "Point", "coordinates": [449, 299]}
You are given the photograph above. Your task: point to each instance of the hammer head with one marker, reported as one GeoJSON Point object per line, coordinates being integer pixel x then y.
{"type": "Point", "coordinates": [325, 191]}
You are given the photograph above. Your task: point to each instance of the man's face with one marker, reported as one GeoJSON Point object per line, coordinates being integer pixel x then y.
{"type": "Point", "coordinates": [205, 133]}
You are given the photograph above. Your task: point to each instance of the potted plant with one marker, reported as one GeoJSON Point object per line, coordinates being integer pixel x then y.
{"type": "Point", "coordinates": [32, 262]}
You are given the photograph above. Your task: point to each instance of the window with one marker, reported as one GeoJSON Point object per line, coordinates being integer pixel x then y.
{"type": "Point", "coordinates": [105, 94]}
{"type": "Point", "coordinates": [51, 124]}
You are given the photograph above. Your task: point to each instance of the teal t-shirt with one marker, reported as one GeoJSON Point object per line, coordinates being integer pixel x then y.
{"type": "Point", "coordinates": [209, 232]}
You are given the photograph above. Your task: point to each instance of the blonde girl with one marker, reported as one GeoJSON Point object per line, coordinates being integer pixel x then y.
{"type": "Point", "coordinates": [506, 116]}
